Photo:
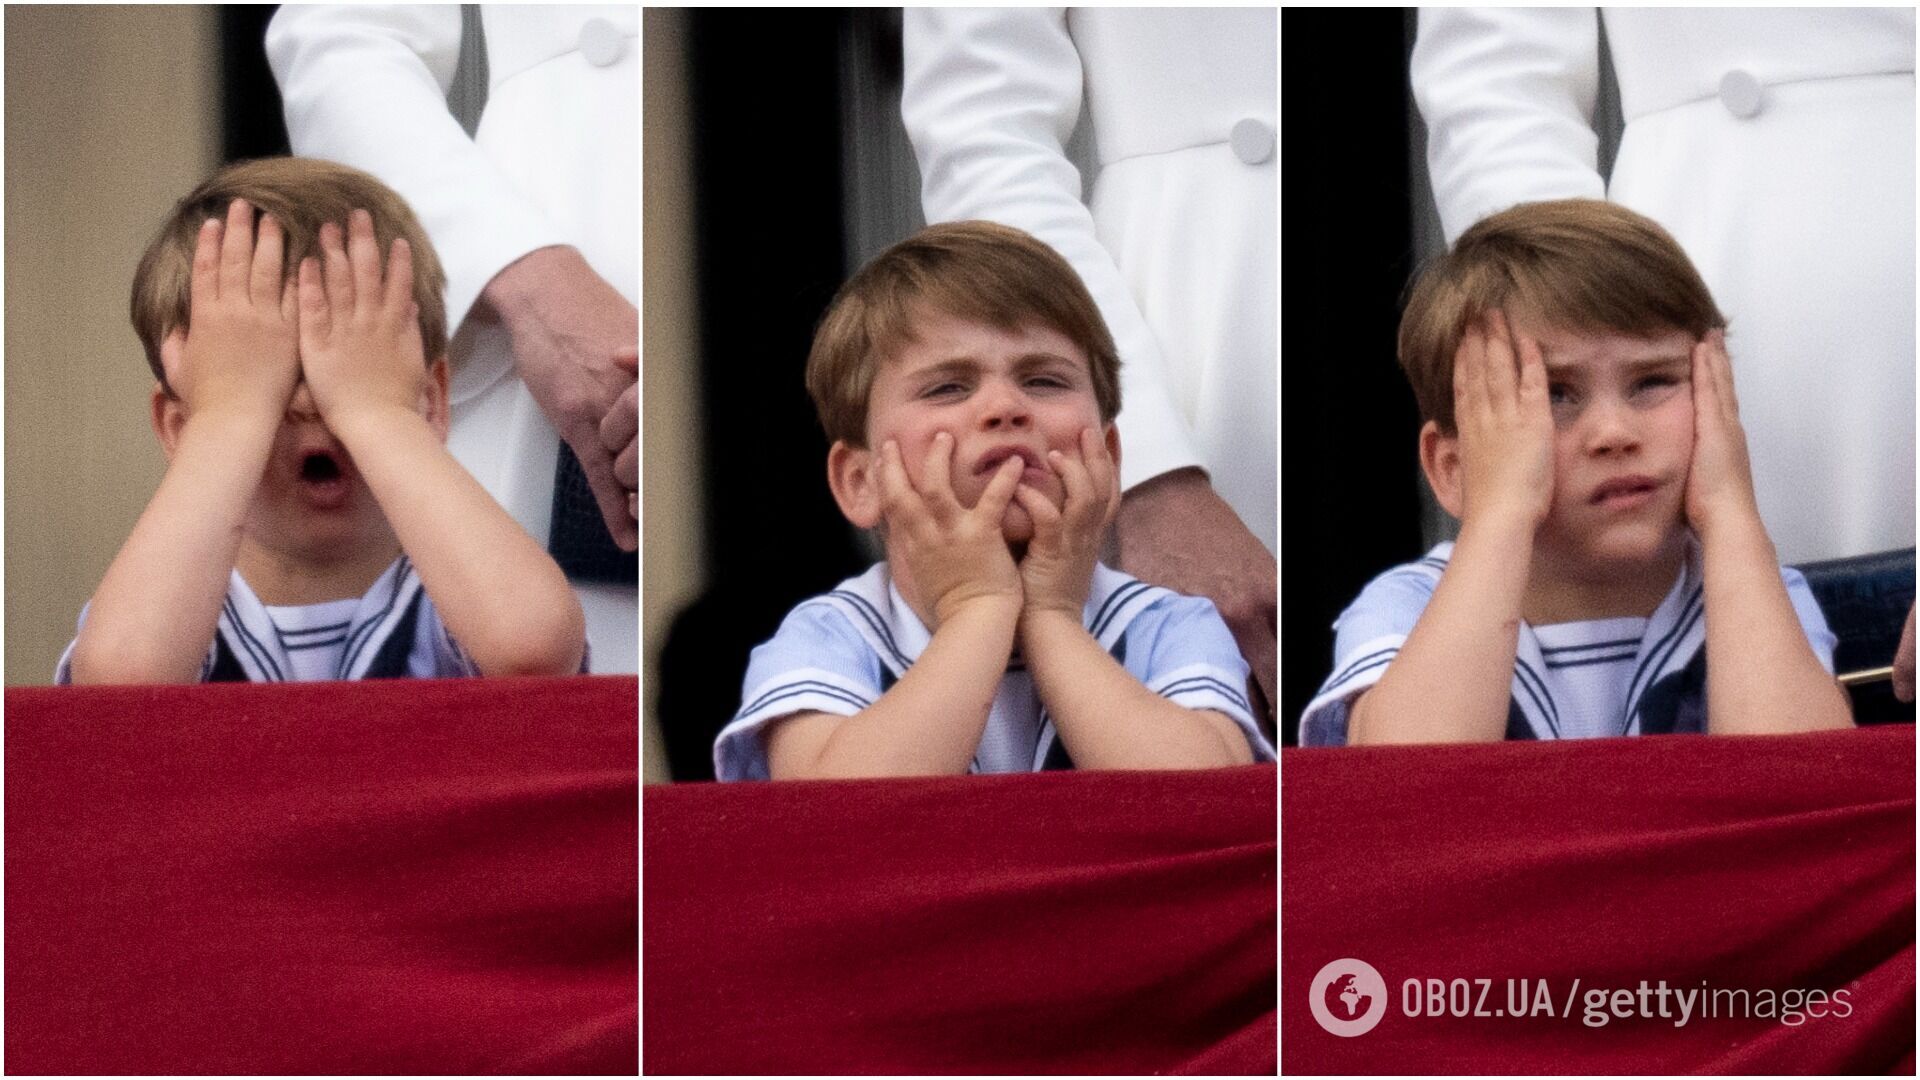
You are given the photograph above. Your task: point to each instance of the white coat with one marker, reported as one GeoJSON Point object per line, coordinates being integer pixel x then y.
{"type": "Point", "coordinates": [555, 160]}
{"type": "Point", "coordinates": [1777, 145]}
{"type": "Point", "coordinates": [1176, 239]}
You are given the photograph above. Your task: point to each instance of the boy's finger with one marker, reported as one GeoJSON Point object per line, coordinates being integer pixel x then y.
{"type": "Point", "coordinates": [1723, 372]}
{"type": "Point", "coordinates": [937, 477]}
{"type": "Point", "coordinates": [1073, 476]}
{"type": "Point", "coordinates": [1469, 383]}
{"type": "Point", "coordinates": [334, 269]}
{"type": "Point", "coordinates": [363, 252]}
{"type": "Point", "coordinates": [1048, 522]}
{"type": "Point", "coordinates": [268, 284]}
{"type": "Point", "coordinates": [315, 318]}
{"type": "Point", "coordinates": [1706, 402]}
{"type": "Point", "coordinates": [290, 302]}
{"type": "Point", "coordinates": [236, 248]}
{"type": "Point", "coordinates": [1502, 367]}
{"type": "Point", "coordinates": [399, 288]}
{"type": "Point", "coordinates": [993, 501]}
{"type": "Point", "coordinates": [206, 263]}
{"type": "Point", "coordinates": [1533, 376]}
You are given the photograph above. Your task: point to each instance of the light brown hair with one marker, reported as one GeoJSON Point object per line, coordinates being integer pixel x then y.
{"type": "Point", "coordinates": [974, 270]}
{"type": "Point", "coordinates": [1579, 264]}
{"type": "Point", "coordinates": [301, 194]}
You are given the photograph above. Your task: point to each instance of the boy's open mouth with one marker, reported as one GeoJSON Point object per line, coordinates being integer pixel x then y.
{"type": "Point", "coordinates": [324, 481]}
{"type": "Point", "coordinates": [319, 467]}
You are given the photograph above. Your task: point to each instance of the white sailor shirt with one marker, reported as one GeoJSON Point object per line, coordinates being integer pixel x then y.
{"type": "Point", "coordinates": [839, 652]}
{"type": "Point", "coordinates": [1608, 677]}
{"type": "Point", "coordinates": [393, 631]}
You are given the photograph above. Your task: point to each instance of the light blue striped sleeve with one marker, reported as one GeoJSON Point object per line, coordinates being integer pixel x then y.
{"type": "Point", "coordinates": [1180, 648]}
{"type": "Point", "coordinates": [1366, 638]}
{"type": "Point", "coordinates": [815, 662]}
{"type": "Point", "coordinates": [1812, 619]}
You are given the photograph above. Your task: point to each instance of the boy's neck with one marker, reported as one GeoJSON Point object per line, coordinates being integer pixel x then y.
{"type": "Point", "coordinates": [1556, 595]}
{"type": "Point", "coordinates": [282, 579]}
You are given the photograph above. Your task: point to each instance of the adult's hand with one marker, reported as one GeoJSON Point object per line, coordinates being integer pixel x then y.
{"type": "Point", "coordinates": [620, 436]}
{"type": "Point", "coordinates": [571, 332]}
{"type": "Point", "coordinates": [1175, 530]}
{"type": "Point", "coordinates": [1903, 662]}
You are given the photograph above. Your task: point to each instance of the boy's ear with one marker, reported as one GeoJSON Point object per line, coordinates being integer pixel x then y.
{"type": "Point", "coordinates": [169, 416]}
{"type": "Point", "coordinates": [1113, 444]}
{"type": "Point", "coordinates": [433, 398]}
{"type": "Point", "coordinates": [1440, 460]}
{"type": "Point", "coordinates": [850, 473]}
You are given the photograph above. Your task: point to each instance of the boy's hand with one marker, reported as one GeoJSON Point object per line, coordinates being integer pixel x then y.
{"type": "Point", "coordinates": [953, 556]}
{"type": "Point", "coordinates": [1720, 482]}
{"type": "Point", "coordinates": [1057, 570]}
{"type": "Point", "coordinates": [241, 348]}
{"type": "Point", "coordinates": [1505, 425]}
{"type": "Point", "coordinates": [359, 335]}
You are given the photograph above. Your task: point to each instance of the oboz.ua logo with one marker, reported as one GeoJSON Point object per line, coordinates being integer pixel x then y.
{"type": "Point", "coordinates": [1348, 997]}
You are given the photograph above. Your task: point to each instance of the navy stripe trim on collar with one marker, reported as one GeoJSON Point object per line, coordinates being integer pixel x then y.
{"type": "Point", "coordinates": [875, 621]}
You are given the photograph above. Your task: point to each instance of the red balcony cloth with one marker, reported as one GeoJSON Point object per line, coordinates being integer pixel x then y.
{"type": "Point", "coordinates": [412, 877]}
{"type": "Point", "coordinates": [1778, 863]}
{"type": "Point", "coordinates": [1054, 922]}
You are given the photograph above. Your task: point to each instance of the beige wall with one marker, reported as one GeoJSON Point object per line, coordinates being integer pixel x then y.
{"type": "Point", "coordinates": [110, 117]}
{"type": "Point", "coordinates": [670, 516]}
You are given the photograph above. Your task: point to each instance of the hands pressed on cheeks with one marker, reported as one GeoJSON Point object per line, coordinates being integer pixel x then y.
{"type": "Point", "coordinates": [1720, 482]}
{"type": "Point", "coordinates": [956, 556]}
{"type": "Point", "coordinates": [1504, 421]}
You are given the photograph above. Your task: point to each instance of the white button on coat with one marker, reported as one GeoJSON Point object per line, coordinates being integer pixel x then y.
{"type": "Point", "coordinates": [1252, 140]}
{"type": "Point", "coordinates": [601, 43]}
{"type": "Point", "coordinates": [1740, 92]}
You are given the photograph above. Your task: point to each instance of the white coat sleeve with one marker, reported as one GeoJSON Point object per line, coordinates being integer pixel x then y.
{"type": "Point", "coordinates": [367, 86]}
{"type": "Point", "coordinates": [990, 100]}
{"type": "Point", "coordinates": [1508, 96]}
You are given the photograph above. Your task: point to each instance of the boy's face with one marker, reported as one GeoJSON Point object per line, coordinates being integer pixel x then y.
{"type": "Point", "coordinates": [1623, 444]}
{"type": "Point", "coordinates": [312, 506]}
{"type": "Point", "coordinates": [997, 392]}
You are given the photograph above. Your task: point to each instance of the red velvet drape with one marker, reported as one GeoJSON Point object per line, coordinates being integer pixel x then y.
{"type": "Point", "coordinates": [1777, 863]}
{"type": "Point", "coordinates": [433, 877]}
{"type": "Point", "coordinates": [1056, 922]}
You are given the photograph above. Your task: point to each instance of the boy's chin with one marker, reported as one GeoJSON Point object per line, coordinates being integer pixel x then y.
{"type": "Point", "coordinates": [1633, 544]}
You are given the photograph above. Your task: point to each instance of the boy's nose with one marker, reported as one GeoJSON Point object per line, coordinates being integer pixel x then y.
{"type": "Point", "coordinates": [1610, 429]}
{"type": "Point", "coordinates": [1003, 406]}
{"type": "Point", "coordinates": [301, 406]}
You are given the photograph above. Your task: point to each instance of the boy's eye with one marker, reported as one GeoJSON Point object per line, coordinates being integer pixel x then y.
{"type": "Point", "coordinates": [1051, 382]}
{"type": "Point", "coordinates": [1559, 394]}
{"type": "Point", "coordinates": [944, 389]}
{"type": "Point", "coordinates": [1656, 382]}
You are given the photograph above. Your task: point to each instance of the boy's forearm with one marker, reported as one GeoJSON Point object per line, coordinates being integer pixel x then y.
{"type": "Point", "coordinates": [1762, 675]}
{"type": "Point", "coordinates": [1107, 718]}
{"type": "Point", "coordinates": [153, 617]}
{"type": "Point", "coordinates": [1452, 679]}
{"type": "Point", "coordinates": [498, 591]}
{"type": "Point", "coordinates": [930, 722]}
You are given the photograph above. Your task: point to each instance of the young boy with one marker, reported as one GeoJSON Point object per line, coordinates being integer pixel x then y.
{"type": "Point", "coordinates": [311, 524]}
{"type": "Point", "coordinates": [968, 386]}
{"type": "Point", "coordinates": [1611, 576]}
